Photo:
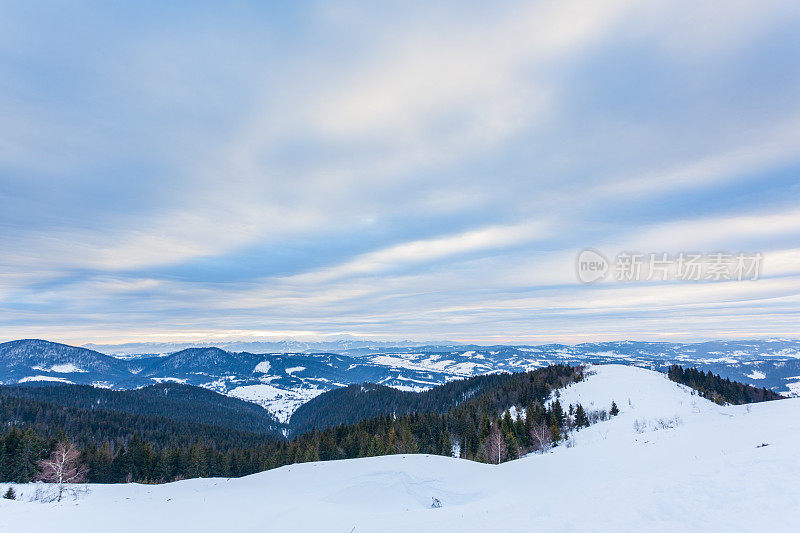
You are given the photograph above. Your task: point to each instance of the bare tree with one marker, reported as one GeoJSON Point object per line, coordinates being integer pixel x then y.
{"type": "Point", "coordinates": [541, 437]}
{"type": "Point", "coordinates": [62, 468]}
{"type": "Point", "coordinates": [496, 445]}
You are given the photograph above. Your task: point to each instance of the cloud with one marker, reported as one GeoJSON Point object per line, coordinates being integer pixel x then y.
{"type": "Point", "coordinates": [771, 145]}
{"type": "Point", "coordinates": [428, 171]}
{"type": "Point", "coordinates": [743, 232]}
{"type": "Point", "coordinates": [431, 250]}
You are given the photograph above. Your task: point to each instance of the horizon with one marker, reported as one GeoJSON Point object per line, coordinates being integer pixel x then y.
{"type": "Point", "coordinates": [382, 343]}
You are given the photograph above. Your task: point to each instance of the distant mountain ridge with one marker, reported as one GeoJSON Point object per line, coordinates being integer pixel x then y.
{"type": "Point", "coordinates": [282, 382]}
{"type": "Point", "coordinates": [137, 349]}
{"type": "Point", "coordinates": [29, 358]}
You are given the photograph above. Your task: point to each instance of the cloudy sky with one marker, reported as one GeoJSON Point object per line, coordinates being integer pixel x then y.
{"type": "Point", "coordinates": [190, 171]}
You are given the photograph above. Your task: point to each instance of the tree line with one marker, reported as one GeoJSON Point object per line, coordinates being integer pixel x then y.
{"type": "Point", "coordinates": [718, 389]}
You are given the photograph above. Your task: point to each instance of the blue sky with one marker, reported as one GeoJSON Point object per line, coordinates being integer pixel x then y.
{"type": "Point", "coordinates": [200, 171]}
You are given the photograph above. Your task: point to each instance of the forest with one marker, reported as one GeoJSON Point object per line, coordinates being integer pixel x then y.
{"type": "Point", "coordinates": [488, 419]}
{"type": "Point", "coordinates": [122, 447]}
{"type": "Point", "coordinates": [718, 389]}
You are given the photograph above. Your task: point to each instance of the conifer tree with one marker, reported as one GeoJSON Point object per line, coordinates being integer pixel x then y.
{"type": "Point", "coordinates": [581, 420]}
{"type": "Point", "coordinates": [557, 415]}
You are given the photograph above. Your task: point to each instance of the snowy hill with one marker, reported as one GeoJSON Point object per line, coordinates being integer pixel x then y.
{"type": "Point", "coordinates": [38, 360]}
{"type": "Point", "coordinates": [670, 461]}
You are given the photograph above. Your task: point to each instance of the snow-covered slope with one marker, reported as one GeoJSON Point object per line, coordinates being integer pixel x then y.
{"type": "Point", "coordinates": [647, 401]}
{"type": "Point", "coordinates": [710, 471]}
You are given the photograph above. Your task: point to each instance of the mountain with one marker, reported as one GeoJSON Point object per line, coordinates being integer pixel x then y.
{"type": "Point", "coordinates": [671, 460]}
{"type": "Point", "coordinates": [201, 361]}
{"type": "Point", "coordinates": [39, 360]}
{"type": "Point", "coordinates": [282, 382]}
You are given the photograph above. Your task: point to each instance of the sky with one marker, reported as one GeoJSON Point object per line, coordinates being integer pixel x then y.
{"type": "Point", "coordinates": [192, 171]}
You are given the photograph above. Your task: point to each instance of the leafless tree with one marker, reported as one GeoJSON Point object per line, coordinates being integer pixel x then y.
{"type": "Point", "coordinates": [496, 445]}
{"type": "Point", "coordinates": [62, 468]}
{"type": "Point", "coordinates": [541, 437]}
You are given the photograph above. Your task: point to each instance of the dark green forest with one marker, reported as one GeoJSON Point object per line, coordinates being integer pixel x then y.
{"type": "Point", "coordinates": [718, 389]}
{"type": "Point", "coordinates": [369, 400]}
{"type": "Point", "coordinates": [175, 401]}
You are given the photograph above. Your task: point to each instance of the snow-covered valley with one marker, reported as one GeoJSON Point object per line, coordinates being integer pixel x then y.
{"type": "Point", "coordinates": [670, 461]}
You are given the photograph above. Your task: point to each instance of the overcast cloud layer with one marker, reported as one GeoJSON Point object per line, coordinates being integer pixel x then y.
{"type": "Point", "coordinates": [225, 171]}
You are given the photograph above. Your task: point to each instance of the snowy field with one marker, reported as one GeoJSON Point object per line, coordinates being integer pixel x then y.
{"type": "Point", "coordinates": [280, 402]}
{"type": "Point", "coordinates": [689, 465]}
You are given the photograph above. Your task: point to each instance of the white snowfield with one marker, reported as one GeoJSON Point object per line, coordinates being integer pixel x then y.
{"type": "Point", "coordinates": [709, 472]}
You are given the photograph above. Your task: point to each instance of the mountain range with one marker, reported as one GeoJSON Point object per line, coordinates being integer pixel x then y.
{"type": "Point", "coordinates": [283, 381]}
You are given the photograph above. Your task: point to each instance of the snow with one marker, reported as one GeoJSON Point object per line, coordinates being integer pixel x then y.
{"type": "Point", "coordinates": [726, 359]}
{"type": "Point", "coordinates": [66, 368]}
{"type": "Point", "coordinates": [263, 367]}
{"type": "Point", "coordinates": [433, 363]}
{"type": "Point", "coordinates": [169, 380]}
{"type": "Point", "coordinates": [293, 369]}
{"type": "Point", "coordinates": [755, 374]}
{"type": "Point", "coordinates": [514, 412]}
{"type": "Point", "coordinates": [410, 388]}
{"type": "Point", "coordinates": [636, 391]}
{"type": "Point", "coordinates": [407, 384]}
{"type": "Point", "coordinates": [280, 402]}
{"type": "Point", "coordinates": [44, 378]}
{"type": "Point", "coordinates": [786, 352]}
{"type": "Point", "coordinates": [710, 473]}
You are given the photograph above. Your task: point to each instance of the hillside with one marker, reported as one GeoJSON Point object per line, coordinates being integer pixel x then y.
{"type": "Point", "coordinates": [174, 401]}
{"type": "Point", "coordinates": [670, 461]}
{"type": "Point", "coordinates": [354, 403]}
{"type": "Point", "coordinates": [45, 421]}
{"type": "Point", "coordinates": [39, 360]}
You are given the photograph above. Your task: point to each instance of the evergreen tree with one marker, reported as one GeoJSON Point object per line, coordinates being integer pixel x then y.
{"type": "Point", "coordinates": [557, 416]}
{"type": "Point", "coordinates": [614, 409]}
{"type": "Point", "coordinates": [581, 420]}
